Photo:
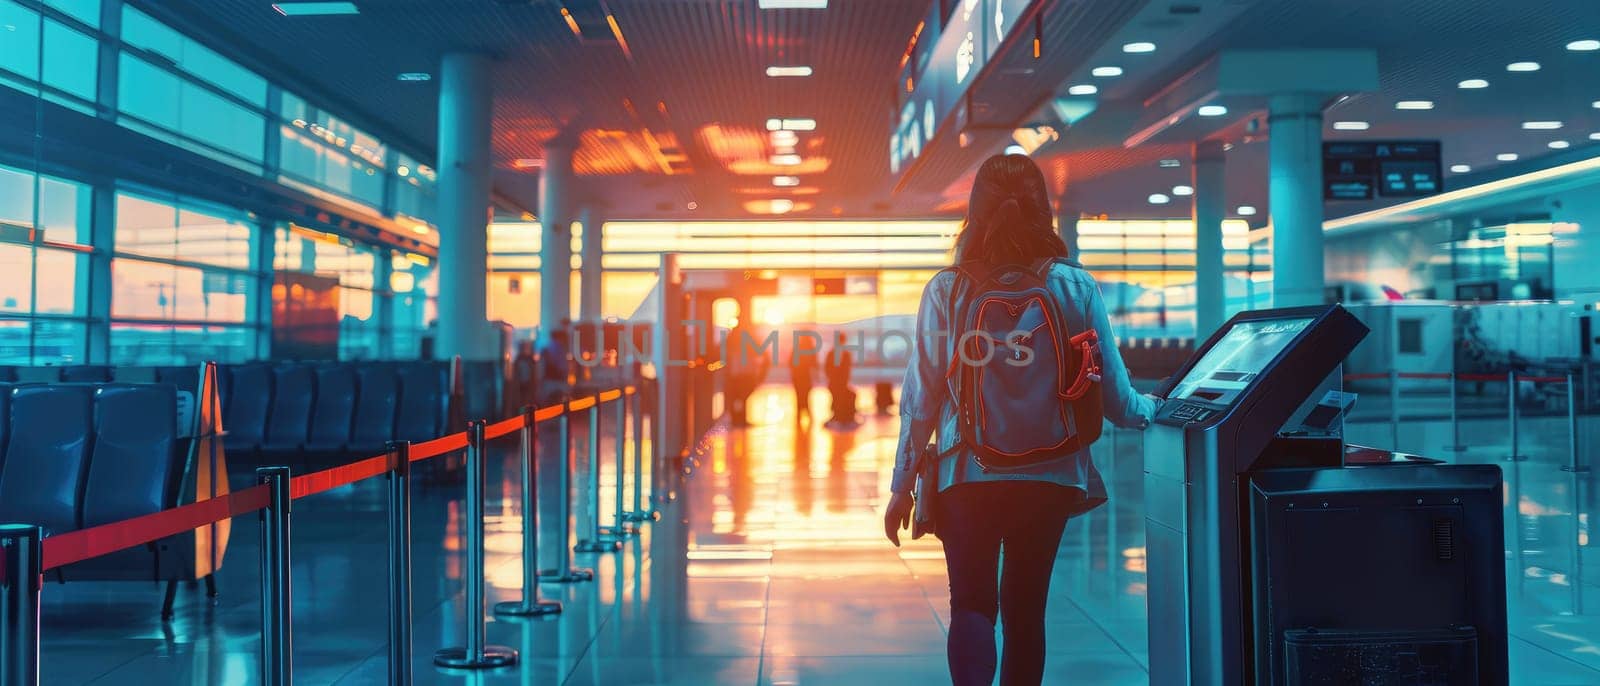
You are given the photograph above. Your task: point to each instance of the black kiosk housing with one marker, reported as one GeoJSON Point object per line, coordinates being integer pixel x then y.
{"type": "Point", "coordinates": [1277, 555]}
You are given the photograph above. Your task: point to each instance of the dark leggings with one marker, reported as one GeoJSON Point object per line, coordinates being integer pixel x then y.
{"type": "Point", "coordinates": [975, 522]}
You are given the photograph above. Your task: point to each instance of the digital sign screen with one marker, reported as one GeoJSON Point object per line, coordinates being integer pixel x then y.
{"type": "Point", "coordinates": [1363, 170]}
{"type": "Point", "coordinates": [1237, 359]}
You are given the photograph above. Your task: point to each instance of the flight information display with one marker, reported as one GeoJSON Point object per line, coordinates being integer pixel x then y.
{"type": "Point", "coordinates": [1237, 359]}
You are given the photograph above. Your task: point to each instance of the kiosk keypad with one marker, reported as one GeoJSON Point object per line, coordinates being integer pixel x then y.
{"type": "Point", "coordinates": [1190, 412]}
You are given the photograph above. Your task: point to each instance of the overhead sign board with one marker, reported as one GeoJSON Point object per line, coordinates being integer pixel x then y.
{"type": "Point", "coordinates": [1363, 170]}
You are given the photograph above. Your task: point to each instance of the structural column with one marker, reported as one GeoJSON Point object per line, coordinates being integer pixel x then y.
{"type": "Point", "coordinates": [465, 114]}
{"type": "Point", "coordinates": [1210, 202]}
{"type": "Point", "coordinates": [1294, 191]}
{"type": "Point", "coordinates": [589, 291]}
{"type": "Point", "coordinates": [555, 242]}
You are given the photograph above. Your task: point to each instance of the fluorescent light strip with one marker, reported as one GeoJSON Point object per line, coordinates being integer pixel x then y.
{"type": "Point", "coordinates": [1587, 45]}
{"type": "Point", "coordinates": [1351, 126]}
{"type": "Point", "coordinates": [777, 72]}
{"type": "Point", "coordinates": [1523, 66]}
{"type": "Point", "coordinates": [1082, 89]}
{"type": "Point", "coordinates": [1139, 47]}
{"type": "Point", "coordinates": [1211, 110]}
{"type": "Point", "coordinates": [1541, 125]}
{"type": "Point", "coordinates": [1414, 105]}
{"type": "Point", "coordinates": [1471, 84]}
{"type": "Point", "coordinates": [793, 4]}
{"type": "Point", "coordinates": [315, 9]}
{"type": "Point", "coordinates": [1106, 72]}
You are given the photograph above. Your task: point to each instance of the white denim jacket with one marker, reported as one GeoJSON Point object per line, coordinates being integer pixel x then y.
{"type": "Point", "coordinates": [925, 402]}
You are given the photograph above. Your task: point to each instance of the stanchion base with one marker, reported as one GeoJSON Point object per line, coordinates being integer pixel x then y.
{"type": "Point", "coordinates": [518, 608]}
{"type": "Point", "coordinates": [598, 545]}
{"type": "Point", "coordinates": [642, 516]}
{"type": "Point", "coordinates": [493, 656]}
{"type": "Point", "coordinates": [1576, 470]}
{"type": "Point", "coordinates": [571, 576]}
{"type": "Point", "coordinates": [1515, 458]}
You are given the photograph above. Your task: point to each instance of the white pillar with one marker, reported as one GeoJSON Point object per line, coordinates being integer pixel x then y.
{"type": "Point", "coordinates": [589, 291]}
{"type": "Point", "coordinates": [1294, 192]}
{"type": "Point", "coordinates": [555, 246]}
{"type": "Point", "coordinates": [1210, 201]}
{"type": "Point", "coordinates": [465, 114]}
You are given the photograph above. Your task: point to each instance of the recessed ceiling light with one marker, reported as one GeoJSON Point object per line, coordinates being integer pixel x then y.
{"type": "Point", "coordinates": [1139, 47]}
{"type": "Point", "coordinates": [784, 137]}
{"type": "Point", "coordinates": [1523, 66]}
{"type": "Point", "coordinates": [1414, 105]}
{"type": "Point", "coordinates": [1473, 83]}
{"type": "Point", "coordinates": [1246, 210]}
{"type": "Point", "coordinates": [793, 4]}
{"type": "Point", "coordinates": [315, 9]}
{"type": "Point", "coordinates": [1559, 145]}
{"type": "Point", "coordinates": [1183, 190]}
{"type": "Point", "coordinates": [788, 71]}
{"type": "Point", "coordinates": [1460, 168]}
{"type": "Point", "coordinates": [1211, 110]}
{"type": "Point", "coordinates": [1506, 157]}
{"type": "Point", "coordinates": [414, 76]}
{"type": "Point", "coordinates": [1159, 199]}
{"type": "Point", "coordinates": [782, 205]}
{"type": "Point", "coordinates": [1106, 72]}
{"type": "Point", "coordinates": [785, 160]}
{"type": "Point", "coordinates": [1595, 136]}
{"type": "Point", "coordinates": [1351, 126]}
{"type": "Point", "coordinates": [800, 124]}
{"type": "Point", "coordinates": [1015, 149]}
{"type": "Point", "coordinates": [785, 181]}
{"type": "Point", "coordinates": [1541, 125]}
{"type": "Point", "coordinates": [1170, 163]}
{"type": "Point", "coordinates": [1082, 89]}
{"type": "Point", "coordinates": [693, 205]}
{"type": "Point", "coordinates": [1595, 104]}
{"type": "Point", "coordinates": [1586, 45]}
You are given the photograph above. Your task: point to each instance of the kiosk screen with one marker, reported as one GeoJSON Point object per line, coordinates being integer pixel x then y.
{"type": "Point", "coordinates": [1235, 361]}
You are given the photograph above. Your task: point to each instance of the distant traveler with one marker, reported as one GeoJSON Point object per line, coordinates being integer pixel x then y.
{"type": "Point", "coordinates": [837, 368]}
{"type": "Point", "coordinates": [1008, 471]}
{"type": "Point", "coordinates": [802, 366]}
{"type": "Point", "coordinates": [524, 377]}
{"type": "Point", "coordinates": [556, 359]}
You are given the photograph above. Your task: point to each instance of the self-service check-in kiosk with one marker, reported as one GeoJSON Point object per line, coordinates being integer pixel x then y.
{"type": "Point", "coordinates": [1278, 555]}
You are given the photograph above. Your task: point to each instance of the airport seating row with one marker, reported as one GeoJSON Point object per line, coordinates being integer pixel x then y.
{"type": "Point", "coordinates": [323, 412]}
{"type": "Point", "coordinates": [79, 455]}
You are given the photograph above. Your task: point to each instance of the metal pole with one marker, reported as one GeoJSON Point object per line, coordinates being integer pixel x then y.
{"type": "Point", "coordinates": [474, 655]}
{"type": "Point", "coordinates": [400, 564]}
{"type": "Point", "coordinates": [530, 605]}
{"type": "Point", "coordinates": [1455, 419]}
{"type": "Point", "coordinates": [564, 572]}
{"type": "Point", "coordinates": [1572, 427]}
{"type": "Point", "coordinates": [277, 640]}
{"type": "Point", "coordinates": [20, 582]}
{"type": "Point", "coordinates": [598, 541]}
{"type": "Point", "coordinates": [639, 513]}
{"type": "Point", "coordinates": [1394, 409]}
{"type": "Point", "coordinates": [1511, 411]}
{"type": "Point", "coordinates": [619, 525]}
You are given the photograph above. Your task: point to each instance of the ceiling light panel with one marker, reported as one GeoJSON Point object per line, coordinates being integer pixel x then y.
{"type": "Point", "coordinates": [315, 9]}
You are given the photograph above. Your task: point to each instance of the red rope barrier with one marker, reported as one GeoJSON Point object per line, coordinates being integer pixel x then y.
{"type": "Point", "coordinates": [548, 413]}
{"type": "Point", "coordinates": [581, 404]}
{"type": "Point", "coordinates": [342, 475]}
{"type": "Point", "coordinates": [608, 396]}
{"type": "Point", "coordinates": [83, 544]}
{"type": "Point", "coordinates": [504, 427]}
{"type": "Point", "coordinates": [439, 446]}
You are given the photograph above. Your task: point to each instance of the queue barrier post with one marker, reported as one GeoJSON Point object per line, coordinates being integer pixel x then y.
{"type": "Point", "coordinates": [1572, 428]}
{"type": "Point", "coordinates": [527, 451]}
{"type": "Point", "coordinates": [21, 579]}
{"type": "Point", "coordinates": [564, 572]}
{"type": "Point", "coordinates": [598, 541]}
{"type": "Point", "coordinates": [1511, 412]}
{"type": "Point", "coordinates": [639, 513]}
{"type": "Point", "coordinates": [619, 525]}
{"type": "Point", "coordinates": [400, 563]}
{"type": "Point", "coordinates": [1455, 416]}
{"type": "Point", "coordinates": [1394, 409]}
{"type": "Point", "coordinates": [474, 655]}
{"type": "Point", "coordinates": [277, 624]}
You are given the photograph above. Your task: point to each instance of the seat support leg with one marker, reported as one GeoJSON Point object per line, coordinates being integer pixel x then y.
{"type": "Point", "coordinates": [166, 603]}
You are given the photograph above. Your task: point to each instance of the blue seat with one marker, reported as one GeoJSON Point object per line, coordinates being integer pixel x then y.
{"type": "Point", "coordinates": [246, 406]}
{"type": "Point", "coordinates": [424, 400]}
{"type": "Point", "coordinates": [334, 411]}
{"type": "Point", "coordinates": [47, 456]}
{"type": "Point", "coordinates": [136, 466]}
{"type": "Point", "coordinates": [294, 389]}
{"type": "Point", "coordinates": [377, 401]}
{"type": "Point", "coordinates": [38, 374]}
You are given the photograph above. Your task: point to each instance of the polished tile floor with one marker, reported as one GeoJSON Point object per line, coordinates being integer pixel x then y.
{"type": "Point", "coordinates": [768, 568]}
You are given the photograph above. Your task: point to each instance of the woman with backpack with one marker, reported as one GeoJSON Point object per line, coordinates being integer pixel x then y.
{"type": "Point", "coordinates": [1015, 368]}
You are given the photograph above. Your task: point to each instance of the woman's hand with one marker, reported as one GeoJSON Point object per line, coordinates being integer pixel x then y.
{"type": "Point", "coordinates": [897, 516]}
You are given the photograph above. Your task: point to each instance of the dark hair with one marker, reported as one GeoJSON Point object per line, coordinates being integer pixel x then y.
{"type": "Point", "coordinates": [1009, 215]}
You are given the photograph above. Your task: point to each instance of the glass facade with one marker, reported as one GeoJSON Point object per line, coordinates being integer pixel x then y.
{"type": "Point", "coordinates": [100, 269]}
